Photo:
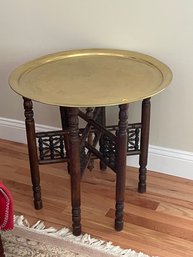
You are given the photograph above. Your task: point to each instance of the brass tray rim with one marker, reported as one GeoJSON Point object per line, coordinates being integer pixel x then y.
{"type": "Point", "coordinates": [137, 56]}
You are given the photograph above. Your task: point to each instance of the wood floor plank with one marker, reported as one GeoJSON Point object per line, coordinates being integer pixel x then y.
{"type": "Point", "coordinates": [158, 224]}
{"type": "Point", "coordinates": [175, 210]}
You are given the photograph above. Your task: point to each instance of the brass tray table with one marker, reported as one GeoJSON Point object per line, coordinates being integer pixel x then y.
{"type": "Point", "coordinates": [94, 79]}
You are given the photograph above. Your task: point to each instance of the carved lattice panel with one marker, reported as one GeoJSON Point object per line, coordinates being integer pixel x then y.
{"type": "Point", "coordinates": [108, 150]}
{"type": "Point", "coordinates": [133, 139]}
{"type": "Point", "coordinates": [108, 145]}
{"type": "Point", "coordinates": [51, 147]}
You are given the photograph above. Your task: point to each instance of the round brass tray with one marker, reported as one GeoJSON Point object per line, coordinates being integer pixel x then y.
{"type": "Point", "coordinates": [91, 77]}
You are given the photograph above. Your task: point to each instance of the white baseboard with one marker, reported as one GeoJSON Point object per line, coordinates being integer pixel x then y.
{"type": "Point", "coordinates": [14, 130]}
{"type": "Point", "coordinates": [165, 160]}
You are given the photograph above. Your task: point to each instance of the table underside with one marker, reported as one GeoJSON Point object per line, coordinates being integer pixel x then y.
{"type": "Point", "coordinates": [97, 141]}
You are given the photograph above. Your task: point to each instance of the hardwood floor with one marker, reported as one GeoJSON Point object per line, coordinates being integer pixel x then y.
{"type": "Point", "coordinates": [159, 222]}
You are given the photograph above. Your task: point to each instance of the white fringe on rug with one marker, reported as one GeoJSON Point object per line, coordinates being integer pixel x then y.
{"type": "Point", "coordinates": [84, 239]}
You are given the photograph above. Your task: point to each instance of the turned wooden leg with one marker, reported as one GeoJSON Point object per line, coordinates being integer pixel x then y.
{"type": "Point", "coordinates": [1, 248]}
{"type": "Point", "coordinates": [121, 156]}
{"type": "Point", "coordinates": [102, 121]}
{"type": "Point", "coordinates": [75, 169]}
{"type": "Point", "coordinates": [32, 150]}
{"type": "Point", "coordinates": [65, 126]}
{"type": "Point", "coordinates": [145, 121]}
{"type": "Point", "coordinates": [89, 114]}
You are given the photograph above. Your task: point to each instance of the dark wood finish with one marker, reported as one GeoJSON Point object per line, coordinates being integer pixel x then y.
{"type": "Point", "coordinates": [96, 125]}
{"type": "Point", "coordinates": [144, 143]}
{"type": "Point", "coordinates": [32, 150]}
{"type": "Point", "coordinates": [74, 144]}
{"type": "Point", "coordinates": [102, 121]}
{"type": "Point", "coordinates": [89, 136]}
{"type": "Point", "coordinates": [90, 151]}
{"type": "Point", "coordinates": [52, 142]}
{"type": "Point", "coordinates": [89, 114]}
{"type": "Point", "coordinates": [88, 128]}
{"type": "Point", "coordinates": [1, 248]}
{"type": "Point", "coordinates": [65, 127]}
{"type": "Point", "coordinates": [99, 156]}
{"type": "Point", "coordinates": [120, 164]}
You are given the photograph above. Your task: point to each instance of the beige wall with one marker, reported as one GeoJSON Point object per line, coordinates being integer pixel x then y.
{"type": "Point", "coordinates": [160, 28]}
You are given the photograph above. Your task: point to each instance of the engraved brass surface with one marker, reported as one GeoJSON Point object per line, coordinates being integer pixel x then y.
{"type": "Point", "coordinates": [91, 77]}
